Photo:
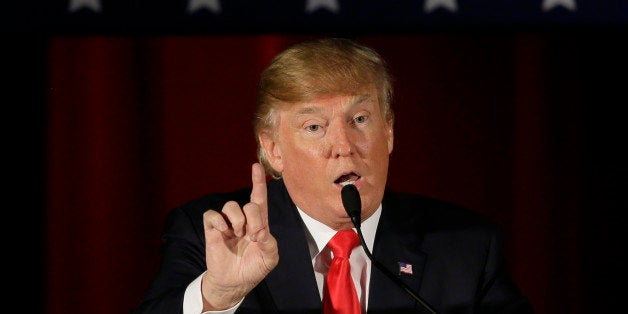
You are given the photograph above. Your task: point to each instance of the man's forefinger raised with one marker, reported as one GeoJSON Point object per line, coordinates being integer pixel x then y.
{"type": "Point", "coordinates": [259, 194]}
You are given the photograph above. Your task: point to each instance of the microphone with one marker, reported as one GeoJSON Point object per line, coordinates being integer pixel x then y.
{"type": "Point", "coordinates": [352, 203]}
{"type": "Point", "coordinates": [353, 206]}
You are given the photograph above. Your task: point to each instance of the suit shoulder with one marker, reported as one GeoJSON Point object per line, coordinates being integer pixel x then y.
{"type": "Point", "coordinates": [432, 212]}
{"type": "Point", "coordinates": [188, 217]}
{"type": "Point", "coordinates": [215, 201]}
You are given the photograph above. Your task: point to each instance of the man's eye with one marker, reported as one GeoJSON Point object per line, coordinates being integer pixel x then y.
{"type": "Point", "coordinates": [360, 119]}
{"type": "Point", "coordinates": [313, 128]}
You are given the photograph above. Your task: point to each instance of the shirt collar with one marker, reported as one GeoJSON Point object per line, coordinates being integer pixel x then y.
{"type": "Point", "coordinates": [321, 233]}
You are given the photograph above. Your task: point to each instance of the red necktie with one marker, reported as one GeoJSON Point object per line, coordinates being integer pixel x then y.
{"type": "Point", "coordinates": [339, 295]}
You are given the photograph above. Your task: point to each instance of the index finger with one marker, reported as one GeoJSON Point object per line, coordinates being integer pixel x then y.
{"type": "Point", "coordinates": [258, 194]}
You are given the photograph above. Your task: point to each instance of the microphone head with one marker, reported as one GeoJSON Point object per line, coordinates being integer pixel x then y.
{"type": "Point", "coordinates": [352, 203]}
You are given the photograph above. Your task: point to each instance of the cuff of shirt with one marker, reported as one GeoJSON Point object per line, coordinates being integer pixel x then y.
{"type": "Point", "coordinates": [193, 300]}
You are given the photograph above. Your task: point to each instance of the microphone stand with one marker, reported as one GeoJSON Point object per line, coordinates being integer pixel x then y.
{"type": "Point", "coordinates": [353, 206]}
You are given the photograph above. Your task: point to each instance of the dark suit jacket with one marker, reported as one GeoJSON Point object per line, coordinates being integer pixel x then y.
{"type": "Point", "coordinates": [456, 257]}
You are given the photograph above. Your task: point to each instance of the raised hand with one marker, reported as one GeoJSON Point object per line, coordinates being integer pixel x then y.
{"type": "Point", "coordinates": [239, 249]}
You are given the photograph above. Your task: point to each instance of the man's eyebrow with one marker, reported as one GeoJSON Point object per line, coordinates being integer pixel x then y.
{"type": "Point", "coordinates": [357, 99]}
{"type": "Point", "coordinates": [308, 110]}
{"type": "Point", "coordinates": [360, 98]}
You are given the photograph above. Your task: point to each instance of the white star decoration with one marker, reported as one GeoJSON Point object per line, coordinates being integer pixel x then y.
{"type": "Point", "coordinates": [431, 5]}
{"type": "Point", "coordinates": [550, 4]}
{"type": "Point", "coordinates": [76, 5]}
{"type": "Point", "coordinates": [313, 5]}
{"type": "Point", "coordinates": [211, 5]}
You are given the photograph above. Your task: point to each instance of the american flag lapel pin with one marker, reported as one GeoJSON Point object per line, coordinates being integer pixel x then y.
{"type": "Point", "coordinates": [405, 268]}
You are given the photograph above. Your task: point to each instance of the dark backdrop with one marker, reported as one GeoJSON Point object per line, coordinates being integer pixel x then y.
{"type": "Point", "coordinates": [107, 132]}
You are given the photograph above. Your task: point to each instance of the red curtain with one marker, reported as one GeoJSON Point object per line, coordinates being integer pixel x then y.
{"type": "Point", "coordinates": [140, 124]}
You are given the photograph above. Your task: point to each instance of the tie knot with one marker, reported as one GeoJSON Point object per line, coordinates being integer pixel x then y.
{"type": "Point", "coordinates": [343, 242]}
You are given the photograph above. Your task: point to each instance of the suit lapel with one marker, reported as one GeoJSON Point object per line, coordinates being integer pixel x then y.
{"type": "Point", "coordinates": [397, 240]}
{"type": "Point", "coordinates": [291, 284]}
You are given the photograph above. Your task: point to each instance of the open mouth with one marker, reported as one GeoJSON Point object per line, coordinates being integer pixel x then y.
{"type": "Point", "coordinates": [349, 178]}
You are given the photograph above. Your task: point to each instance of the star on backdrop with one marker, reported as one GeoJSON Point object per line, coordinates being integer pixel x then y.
{"type": "Point", "coordinates": [211, 5]}
{"type": "Point", "coordinates": [548, 5]}
{"type": "Point", "coordinates": [330, 5]}
{"type": "Point", "coordinates": [431, 5]}
{"type": "Point", "coordinates": [76, 5]}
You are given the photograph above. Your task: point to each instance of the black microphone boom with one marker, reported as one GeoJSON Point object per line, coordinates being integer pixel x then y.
{"type": "Point", "coordinates": [353, 206]}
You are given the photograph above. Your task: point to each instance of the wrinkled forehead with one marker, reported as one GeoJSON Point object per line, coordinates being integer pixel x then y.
{"type": "Point", "coordinates": [323, 103]}
{"type": "Point", "coordinates": [329, 106]}
{"type": "Point", "coordinates": [348, 97]}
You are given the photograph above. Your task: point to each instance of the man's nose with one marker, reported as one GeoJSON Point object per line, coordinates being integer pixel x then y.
{"type": "Point", "coordinates": [341, 141]}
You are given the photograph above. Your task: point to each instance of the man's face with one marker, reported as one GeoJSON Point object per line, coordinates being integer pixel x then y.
{"type": "Point", "coordinates": [321, 144]}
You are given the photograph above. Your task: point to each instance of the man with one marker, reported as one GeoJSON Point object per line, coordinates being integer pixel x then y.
{"type": "Point", "coordinates": [324, 120]}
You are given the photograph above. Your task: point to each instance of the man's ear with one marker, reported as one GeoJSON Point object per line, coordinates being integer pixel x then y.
{"type": "Point", "coordinates": [272, 150]}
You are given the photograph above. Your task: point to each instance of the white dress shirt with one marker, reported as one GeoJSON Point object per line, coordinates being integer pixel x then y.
{"type": "Point", "coordinates": [318, 235]}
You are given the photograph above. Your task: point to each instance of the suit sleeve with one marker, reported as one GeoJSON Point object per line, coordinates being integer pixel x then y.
{"type": "Point", "coordinates": [182, 261]}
